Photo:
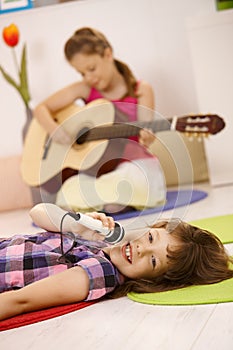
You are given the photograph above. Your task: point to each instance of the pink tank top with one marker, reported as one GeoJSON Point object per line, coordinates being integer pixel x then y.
{"type": "Point", "coordinates": [128, 104]}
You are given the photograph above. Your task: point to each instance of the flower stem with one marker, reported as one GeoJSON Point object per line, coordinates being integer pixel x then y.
{"type": "Point", "coordinates": [15, 60]}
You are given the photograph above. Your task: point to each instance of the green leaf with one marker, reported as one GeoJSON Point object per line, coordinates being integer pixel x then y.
{"type": "Point", "coordinates": [23, 77]}
{"type": "Point", "coordinates": [9, 79]}
{"type": "Point", "coordinates": [23, 69]}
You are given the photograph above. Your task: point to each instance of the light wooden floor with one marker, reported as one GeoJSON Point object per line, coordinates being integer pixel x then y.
{"type": "Point", "coordinates": [123, 324]}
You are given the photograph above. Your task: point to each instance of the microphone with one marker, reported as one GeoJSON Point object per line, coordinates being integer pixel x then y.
{"type": "Point", "coordinates": [111, 236]}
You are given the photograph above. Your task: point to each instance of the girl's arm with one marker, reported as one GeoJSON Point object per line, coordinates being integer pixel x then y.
{"type": "Point", "coordinates": [67, 287]}
{"type": "Point", "coordinates": [61, 99]}
{"type": "Point", "coordinates": [49, 216]}
{"type": "Point", "coordinates": [146, 106]}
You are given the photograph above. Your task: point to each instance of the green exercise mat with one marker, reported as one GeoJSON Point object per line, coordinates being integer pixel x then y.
{"type": "Point", "coordinates": [221, 226]}
{"type": "Point", "coordinates": [220, 292]}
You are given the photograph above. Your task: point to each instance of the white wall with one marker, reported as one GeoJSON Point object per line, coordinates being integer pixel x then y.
{"type": "Point", "coordinates": [211, 44]}
{"type": "Point", "coordinates": [150, 35]}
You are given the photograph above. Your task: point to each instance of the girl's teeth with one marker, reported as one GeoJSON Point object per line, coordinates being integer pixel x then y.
{"type": "Point", "coordinates": [127, 252]}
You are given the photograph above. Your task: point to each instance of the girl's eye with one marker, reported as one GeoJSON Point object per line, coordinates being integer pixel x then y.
{"type": "Point", "coordinates": [153, 260]}
{"type": "Point", "coordinates": [91, 69]}
{"type": "Point", "coordinates": [150, 237]}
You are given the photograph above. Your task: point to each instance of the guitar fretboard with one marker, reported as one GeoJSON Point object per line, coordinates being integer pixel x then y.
{"type": "Point", "coordinates": [122, 130]}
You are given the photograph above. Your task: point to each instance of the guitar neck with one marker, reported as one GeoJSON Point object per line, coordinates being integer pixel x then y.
{"type": "Point", "coordinates": [124, 130]}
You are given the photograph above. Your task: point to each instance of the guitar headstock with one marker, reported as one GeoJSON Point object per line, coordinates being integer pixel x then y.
{"type": "Point", "coordinates": [200, 125]}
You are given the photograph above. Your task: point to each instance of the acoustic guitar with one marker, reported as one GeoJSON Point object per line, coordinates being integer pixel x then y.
{"type": "Point", "coordinates": [92, 127]}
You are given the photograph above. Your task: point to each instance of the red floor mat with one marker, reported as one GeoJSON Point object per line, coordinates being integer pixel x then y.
{"type": "Point", "coordinates": [41, 315]}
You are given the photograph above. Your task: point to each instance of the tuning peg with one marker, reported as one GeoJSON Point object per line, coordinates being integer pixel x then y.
{"type": "Point", "coordinates": [206, 135]}
{"type": "Point", "coordinates": [189, 136]}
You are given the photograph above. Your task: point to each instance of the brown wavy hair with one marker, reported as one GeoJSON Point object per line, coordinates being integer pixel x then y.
{"type": "Point", "coordinates": [199, 258]}
{"type": "Point", "coordinates": [90, 41]}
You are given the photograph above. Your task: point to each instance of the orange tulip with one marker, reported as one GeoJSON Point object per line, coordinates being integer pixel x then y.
{"type": "Point", "coordinates": [11, 35]}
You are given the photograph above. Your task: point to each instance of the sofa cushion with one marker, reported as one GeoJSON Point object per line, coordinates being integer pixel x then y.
{"type": "Point", "coordinates": [183, 161]}
{"type": "Point", "coordinates": [14, 193]}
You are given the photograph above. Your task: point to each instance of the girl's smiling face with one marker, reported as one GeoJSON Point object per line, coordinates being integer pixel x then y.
{"type": "Point", "coordinates": [144, 257]}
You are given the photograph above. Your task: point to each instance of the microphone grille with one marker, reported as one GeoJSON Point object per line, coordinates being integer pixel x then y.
{"type": "Point", "coordinates": [116, 235]}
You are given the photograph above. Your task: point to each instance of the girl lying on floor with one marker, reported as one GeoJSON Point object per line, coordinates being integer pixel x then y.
{"type": "Point", "coordinates": [49, 268]}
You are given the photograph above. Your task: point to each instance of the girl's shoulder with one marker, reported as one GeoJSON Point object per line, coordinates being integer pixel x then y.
{"type": "Point", "coordinates": [145, 95]}
{"type": "Point", "coordinates": [143, 87]}
{"type": "Point", "coordinates": [80, 89]}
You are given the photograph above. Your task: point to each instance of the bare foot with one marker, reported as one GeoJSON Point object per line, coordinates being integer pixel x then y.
{"type": "Point", "coordinates": [117, 208]}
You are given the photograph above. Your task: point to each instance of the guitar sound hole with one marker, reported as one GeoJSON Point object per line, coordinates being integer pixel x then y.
{"type": "Point", "coordinates": [82, 136]}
